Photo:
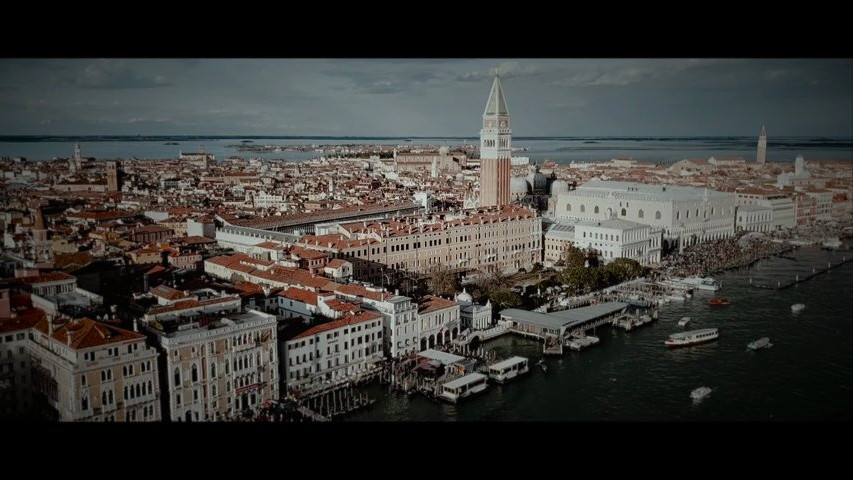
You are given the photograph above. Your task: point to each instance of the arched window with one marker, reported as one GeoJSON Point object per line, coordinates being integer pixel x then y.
{"type": "Point", "coordinates": [595, 210]}
{"type": "Point", "coordinates": [640, 213]}
{"type": "Point", "coordinates": [583, 208]}
{"type": "Point", "coordinates": [177, 377]}
{"type": "Point", "coordinates": [678, 215]}
{"type": "Point", "coordinates": [195, 373]}
{"type": "Point", "coordinates": [568, 207]}
{"type": "Point", "coordinates": [688, 214]}
{"type": "Point", "coordinates": [110, 396]}
{"type": "Point", "coordinates": [212, 369]}
{"type": "Point", "coordinates": [103, 398]}
{"type": "Point", "coordinates": [657, 215]}
{"type": "Point", "coordinates": [138, 390]}
{"type": "Point", "coordinates": [623, 212]}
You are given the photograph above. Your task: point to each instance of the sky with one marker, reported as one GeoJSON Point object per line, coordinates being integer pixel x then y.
{"type": "Point", "coordinates": [425, 97]}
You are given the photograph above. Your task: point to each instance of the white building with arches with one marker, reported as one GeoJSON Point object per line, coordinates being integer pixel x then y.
{"type": "Point", "coordinates": [216, 369]}
{"type": "Point", "coordinates": [686, 215]}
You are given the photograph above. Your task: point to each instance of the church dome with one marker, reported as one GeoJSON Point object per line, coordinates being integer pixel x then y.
{"type": "Point", "coordinates": [559, 186]}
{"type": "Point", "coordinates": [538, 182]}
{"type": "Point", "coordinates": [518, 186]}
{"type": "Point", "coordinates": [443, 150]}
{"type": "Point", "coordinates": [465, 297]}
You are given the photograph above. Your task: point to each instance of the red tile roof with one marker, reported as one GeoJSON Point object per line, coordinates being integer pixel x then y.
{"type": "Point", "coordinates": [167, 292]}
{"type": "Point", "coordinates": [431, 303]}
{"type": "Point", "coordinates": [300, 295]}
{"type": "Point", "coordinates": [87, 333]}
{"type": "Point", "coordinates": [346, 321]}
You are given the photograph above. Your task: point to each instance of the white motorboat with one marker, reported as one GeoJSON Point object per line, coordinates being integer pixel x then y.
{"type": "Point", "coordinates": [762, 342]}
{"type": "Point", "coordinates": [700, 393]}
{"type": "Point", "coordinates": [684, 321]}
{"type": "Point", "coordinates": [797, 307]}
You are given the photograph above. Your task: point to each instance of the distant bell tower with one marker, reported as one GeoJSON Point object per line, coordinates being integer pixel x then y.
{"type": "Point", "coordinates": [762, 147]}
{"type": "Point", "coordinates": [113, 177]}
{"type": "Point", "coordinates": [78, 157]}
{"type": "Point", "coordinates": [495, 149]}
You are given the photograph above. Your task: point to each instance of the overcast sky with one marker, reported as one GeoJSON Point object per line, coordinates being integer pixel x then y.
{"type": "Point", "coordinates": [425, 97]}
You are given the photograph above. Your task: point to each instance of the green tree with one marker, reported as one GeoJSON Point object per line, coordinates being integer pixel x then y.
{"type": "Point", "coordinates": [574, 256]}
{"type": "Point", "coordinates": [444, 283]}
{"type": "Point", "coordinates": [504, 299]}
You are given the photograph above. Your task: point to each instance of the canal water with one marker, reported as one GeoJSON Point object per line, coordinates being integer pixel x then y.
{"type": "Point", "coordinates": [806, 375]}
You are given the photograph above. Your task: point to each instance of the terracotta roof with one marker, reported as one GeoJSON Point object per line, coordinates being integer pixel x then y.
{"type": "Point", "coordinates": [431, 303]}
{"type": "Point", "coordinates": [348, 320]}
{"type": "Point", "coordinates": [188, 304]}
{"type": "Point", "coordinates": [167, 292]}
{"type": "Point", "coordinates": [300, 295]}
{"type": "Point", "coordinates": [24, 320]}
{"type": "Point", "coordinates": [47, 277]}
{"type": "Point", "coordinates": [87, 333]}
{"type": "Point", "coordinates": [337, 263]}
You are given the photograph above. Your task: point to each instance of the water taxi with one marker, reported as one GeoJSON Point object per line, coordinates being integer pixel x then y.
{"type": "Point", "coordinates": [506, 370]}
{"type": "Point", "coordinates": [693, 337]}
{"type": "Point", "coordinates": [684, 321]}
{"type": "Point", "coordinates": [463, 387]}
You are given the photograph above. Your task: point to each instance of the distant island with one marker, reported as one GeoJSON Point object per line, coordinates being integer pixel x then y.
{"type": "Point", "coordinates": [171, 143]}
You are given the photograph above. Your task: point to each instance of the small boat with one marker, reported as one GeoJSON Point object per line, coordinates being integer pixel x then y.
{"type": "Point", "coordinates": [700, 393]}
{"type": "Point", "coordinates": [684, 321]}
{"type": "Point", "coordinates": [797, 307]}
{"type": "Point", "coordinates": [543, 365]}
{"type": "Point", "coordinates": [718, 301]}
{"type": "Point", "coordinates": [762, 342]}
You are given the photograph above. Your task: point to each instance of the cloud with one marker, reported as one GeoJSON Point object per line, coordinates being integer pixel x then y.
{"type": "Point", "coordinates": [116, 75]}
{"type": "Point", "coordinates": [506, 69]}
{"type": "Point", "coordinates": [616, 77]}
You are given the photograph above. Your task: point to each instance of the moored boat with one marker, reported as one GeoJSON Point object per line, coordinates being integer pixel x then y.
{"type": "Point", "coordinates": [718, 301]}
{"type": "Point", "coordinates": [508, 369]}
{"type": "Point", "coordinates": [797, 307]}
{"type": "Point", "coordinates": [684, 321]}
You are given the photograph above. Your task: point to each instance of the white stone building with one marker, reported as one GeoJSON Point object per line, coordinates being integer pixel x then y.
{"type": "Point", "coordinates": [687, 215]}
{"type": "Point", "coordinates": [334, 350]}
{"type": "Point", "coordinates": [217, 369]}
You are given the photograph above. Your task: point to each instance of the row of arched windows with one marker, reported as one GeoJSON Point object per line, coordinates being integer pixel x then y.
{"type": "Point", "coordinates": [623, 212]}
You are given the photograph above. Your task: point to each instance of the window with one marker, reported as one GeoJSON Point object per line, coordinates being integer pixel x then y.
{"type": "Point", "coordinates": [640, 213]}
{"type": "Point", "coordinates": [623, 212]}
{"type": "Point", "coordinates": [212, 369]}
{"type": "Point", "coordinates": [195, 373]}
{"type": "Point", "coordinates": [568, 207]}
{"type": "Point", "coordinates": [83, 380]}
{"type": "Point", "coordinates": [85, 403]}
{"type": "Point", "coordinates": [657, 215]}
{"type": "Point", "coordinates": [583, 208]}
{"type": "Point", "coordinates": [177, 377]}
{"type": "Point", "coordinates": [595, 210]}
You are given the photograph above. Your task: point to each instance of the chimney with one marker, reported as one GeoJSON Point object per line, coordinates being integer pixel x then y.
{"type": "Point", "coordinates": [49, 325]}
{"type": "Point", "coordinates": [135, 325]}
{"type": "Point", "coordinates": [68, 337]}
